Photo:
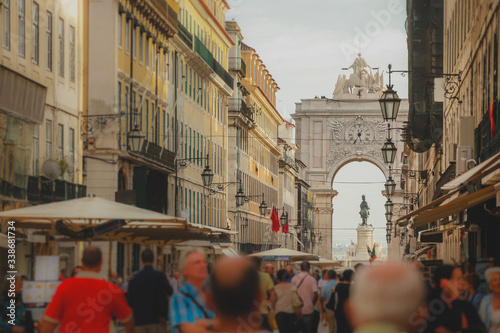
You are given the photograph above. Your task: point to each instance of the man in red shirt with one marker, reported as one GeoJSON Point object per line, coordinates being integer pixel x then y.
{"type": "Point", "coordinates": [87, 303]}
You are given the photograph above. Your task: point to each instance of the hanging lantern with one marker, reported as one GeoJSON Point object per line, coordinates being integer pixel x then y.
{"type": "Point", "coordinates": [389, 104]}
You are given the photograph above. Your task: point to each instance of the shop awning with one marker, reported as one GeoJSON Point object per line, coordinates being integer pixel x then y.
{"type": "Point", "coordinates": [423, 250]}
{"type": "Point", "coordinates": [229, 252]}
{"type": "Point", "coordinates": [453, 207]}
{"type": "Point", "coordinates": [455, 201]}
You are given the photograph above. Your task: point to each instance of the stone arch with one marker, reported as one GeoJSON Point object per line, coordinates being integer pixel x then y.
{"type": "Point", "coordinates": [335, 168]}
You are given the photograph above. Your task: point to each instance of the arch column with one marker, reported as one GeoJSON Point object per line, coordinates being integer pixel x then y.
{"type": "Point", "coordinates": [323, 209]}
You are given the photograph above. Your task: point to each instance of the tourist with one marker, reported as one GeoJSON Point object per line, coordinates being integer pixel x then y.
{"type": "Point", "coordinates": [87, 303]}
{"type": "Point", "coordinates": [472, 282]}
{"type": "Point", "coordinates": [235, 293]}
{"type": "Point", "coordinates": [490, 307]}
{"type": "Point", "coordinates": [270, 271]}
{"type": "Point", "coordinates": [189, 304]}
{"type": "Point", "coordinates": [76, 270]}
{"type": "Point", "coordinates": [148, 293]}
{"type": "Point", "coordinates": [446, 310]}
{"type": "Point", "coordinates": [321, 283]}
{"type": "Point", "coordinates": [285, 315]}
{"type": "Point", "coordinates": [267, 293]}
{"type": "Point", "coordinates": [174, 282]}
{"type": "Point", "coordinates": [326, 293]}
{"type": "Point", "coordinates": [385, 298]}
{"type": "Point", "coordinates": [291, 273]}
{"type": "Point", "coordinates": [17, 321]}
{"type": "Point", "coordinates": [307, 288]}
{"type": "Point", "coordinates": [338, 301]}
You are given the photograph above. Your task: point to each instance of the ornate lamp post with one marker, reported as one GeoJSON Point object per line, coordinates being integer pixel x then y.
{"type": "Point", "coordinates": [390, 101]}
{"type": "Point", "coordinates": [135, 139]}
{"type": "Point", "coordinates": [389, 151]}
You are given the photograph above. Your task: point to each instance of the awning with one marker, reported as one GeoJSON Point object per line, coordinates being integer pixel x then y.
{"type": "Point", "coordinates": [453, 207]}
{"type": "Point", "coordinates": [447, 176]}
{"type": "Point", "coordinates": [229, 252]}
{"type": "Point", "coordinates": [423, 250]}
{"type": "Point", "coordinates": [435, 236]}
{"type": "Point", "coordinates": [454, 202]}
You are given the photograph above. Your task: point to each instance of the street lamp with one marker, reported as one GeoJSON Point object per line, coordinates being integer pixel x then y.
{"type": "Point", "coordinates": [135, 139]}
{"type": "Point", "coordinates": [388, 236]}
{"type": "Point", "coordinates": [240, 197]}
{"type": "Point", "coordinates": [207, 175]}
{"type": "Point", "coordinates": [263, 206]}
{"type": "Point", "coordinates": [389, 151]}
{"type": "Point", "coordinates": [389, 104]}
{"type": "Point", "coordinates": [313, 237]}
{"type": "Point", "coordinates": [283, 217]}
{"type": "Point", "coordinates": [390, 185]}
{"type": "Point", "coordinates": [388, 210]}
{"type": "Point", "coordinates": [389, 227]}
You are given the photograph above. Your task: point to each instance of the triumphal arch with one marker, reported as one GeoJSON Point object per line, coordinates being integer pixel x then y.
{"type": "Point", "coordinates": [333, 132]}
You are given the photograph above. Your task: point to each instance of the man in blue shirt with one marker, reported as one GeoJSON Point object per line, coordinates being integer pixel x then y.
{"type": "Point", "coordinates": [326, 293]}
{"type": "Point", "coordinates": [189, 305]}
{"type": "Point", "coordinates": [147, 296]}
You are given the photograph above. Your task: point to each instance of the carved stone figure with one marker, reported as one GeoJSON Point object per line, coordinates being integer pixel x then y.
{"type": "Point", "coordinates": [360, 78]}
{"type": "Point", "coordinates": [364, 210]}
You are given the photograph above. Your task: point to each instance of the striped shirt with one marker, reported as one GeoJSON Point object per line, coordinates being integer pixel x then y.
{"type": "Point", "coordinates": [183, 310]}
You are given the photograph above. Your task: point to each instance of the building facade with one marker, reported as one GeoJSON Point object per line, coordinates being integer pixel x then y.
{"type": "Point", "coordinates": [40, 81]}
{"type": "Point", "coordinates": [253, 146]}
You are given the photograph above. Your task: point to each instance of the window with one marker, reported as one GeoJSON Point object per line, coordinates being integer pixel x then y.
{"type": "Point", "coordinates": [36, 33]}
{"type": "Point", "coordinates": [71, 146]}
{"type": "Point", "coordinates": [6, 24]}
{"type": "Point", "coordinates": [49, 41]}
{"type": "Point", "coordinates": [36, 152]}
{"type": "Point", "coordinates": [60, 141]}
{"type": "Point", "coordinates": [21, 48]}
{"type": "Point", "coordinates": [48, 139]}
{"type": "Point", "coordinates": [119, 33]}
{"type": "Point", "coordinates": [134, 41]}
{"type": "Point", "coordinates": [61, 47]}
{"type": "Point", "coordinates": [127, 34]}
{"type": "Point", "coordinates": [141, 45]}
{"type": "Point", "coordinates": [72, 54]}
{"type": "Point", "coordinates": [147, 52]}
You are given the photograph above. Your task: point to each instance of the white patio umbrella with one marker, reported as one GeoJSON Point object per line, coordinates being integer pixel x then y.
{"type": "Point", "coordinates": [284, 254]}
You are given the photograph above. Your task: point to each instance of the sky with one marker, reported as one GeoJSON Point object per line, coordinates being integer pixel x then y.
{"type": "Point", "coordinates": [305, 45]}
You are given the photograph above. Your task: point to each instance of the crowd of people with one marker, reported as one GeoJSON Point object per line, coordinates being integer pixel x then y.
{"type": "Point", "coordinates": [242, 295]}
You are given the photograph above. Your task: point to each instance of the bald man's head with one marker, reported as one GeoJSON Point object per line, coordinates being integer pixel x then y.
{"type": "Point", "coordinates": [92, 257]}
{"type": "Point", "coordinates": [385, 293]}
{"type": "Point", "coordinates": [235, 286]}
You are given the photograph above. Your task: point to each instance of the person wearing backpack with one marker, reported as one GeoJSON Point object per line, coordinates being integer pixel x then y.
{"type": "Point", "coordinates": [338, 299]}
{"type": "Point", "coordinates": [307, 288]}
{"type": "Point", "coordinates": [285, 314]}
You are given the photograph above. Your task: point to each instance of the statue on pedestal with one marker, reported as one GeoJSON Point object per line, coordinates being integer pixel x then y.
{"type": "Point", "coordinates": [364, 210]}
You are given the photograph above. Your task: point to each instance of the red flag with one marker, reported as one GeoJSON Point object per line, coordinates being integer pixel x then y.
{"type": "Point", "coordinates": [492, 119]}
{"type": "Point", "coordinates": [276, 226]}
{"type": "Point", "coordinates": [285, 226]}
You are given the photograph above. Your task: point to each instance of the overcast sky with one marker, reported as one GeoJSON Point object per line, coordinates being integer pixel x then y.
{"type": "Point", "coordinates": [305, 45]}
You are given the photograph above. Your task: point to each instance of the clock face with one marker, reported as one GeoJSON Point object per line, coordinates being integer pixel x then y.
{"type": "Point", "coordinates": [359, 134]}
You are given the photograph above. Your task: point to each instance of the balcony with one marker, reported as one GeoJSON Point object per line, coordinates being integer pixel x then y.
{"type": "Point", "coordinates": [223, 74]}
{"type": "Point", "coordinates": [43, 190]}
{"type": "Point", "coordinates": [239, 105]}
{"type": "Point", "coordinates": [486, 145]}
{"type": "Point", "coordinates": [185, 36]}
{"type": "Point", "coordinates": [237, 64]}
{"type": "Point", "coordinates": [158, 154]}
{"type": "Point", "coordinates": [203, 52]}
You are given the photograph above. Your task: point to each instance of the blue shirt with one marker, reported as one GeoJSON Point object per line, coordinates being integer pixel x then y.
{"type": "Point", "coordinates": [326, 291]}
{"type": "Point", "coordinates": [183, 310]}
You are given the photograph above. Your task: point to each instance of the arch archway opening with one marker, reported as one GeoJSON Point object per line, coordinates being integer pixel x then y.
{"type": "Point", "coordinates": [351, 181]}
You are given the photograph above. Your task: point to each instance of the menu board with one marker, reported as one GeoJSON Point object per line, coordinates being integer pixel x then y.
{"type": "Point", "coordinates": [39, 291]}
{"type": "Point", "coordinates": [46, 268]}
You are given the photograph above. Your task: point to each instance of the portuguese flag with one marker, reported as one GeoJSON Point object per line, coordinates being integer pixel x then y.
{"type": "Point", "coordinates": [372, 254]}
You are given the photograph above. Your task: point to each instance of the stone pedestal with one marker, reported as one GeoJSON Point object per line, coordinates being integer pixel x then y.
{"type": "Point", "coordinates": [365, 238]}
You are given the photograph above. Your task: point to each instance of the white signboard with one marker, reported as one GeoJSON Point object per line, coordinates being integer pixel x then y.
{"type": "Point", "coordinates": [39, 291]}
{"type": "Point", "coordinates": [46, 268]}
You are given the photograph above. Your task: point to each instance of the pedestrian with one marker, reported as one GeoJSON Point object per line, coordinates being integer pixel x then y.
{"type": "Point", "coordinates": [76, 270]}
{"type": "Point", "coordinates": [270, 271]}
{"type": "Point", "coordinates": [16, 320]}
{"type": "Point", "coordinates": [307, 288]}
{"type": "Point", "coordinates": [174, 282]}
{"type": "Point", "coordinates": [267, 293]}
{"type": "Point", "coordinates": [291, 273]}
{"type": "Point", "coordinates": [321, 283]}
{"type": "Point", "coordinates": [326, 293]}
{"type": "Point", "coordinates": [490, 307]}
{"type": "Point", "coordinates": [446, 310]}
{"type": "Point", "coordinates": [148, 292]}
{"type": "Point", "coordinates": [114, 279]}
{"type": "Point", "coordinates": [385, 298]}
{"type": "Point", "coordinates": [338, 301]}
{"type": "Point", "coordinates": [87, 303]}
{"type": "Point", "coordinates": [316, 275]}
{"type": "Point", "coordinates": [235, 294]}
{"type": "Point", "coordinates": [189, 304]}
{"type": "Point", "coordinates": [286, 317]}
{"type": "Point", "coordinates": [472, 282]}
